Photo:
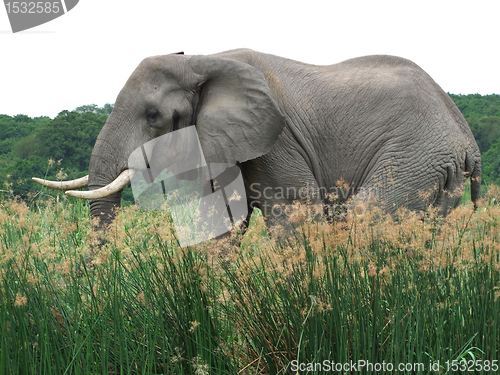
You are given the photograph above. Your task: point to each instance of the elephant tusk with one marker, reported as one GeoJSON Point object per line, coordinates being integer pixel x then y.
{"type": "Point", "coordinates": [118, 184]}
{"type": "Point", "coordinates": [64, 185]}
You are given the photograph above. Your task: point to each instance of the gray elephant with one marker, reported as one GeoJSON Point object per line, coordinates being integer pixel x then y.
{"type": "Point", "coordinates": [376, 123]}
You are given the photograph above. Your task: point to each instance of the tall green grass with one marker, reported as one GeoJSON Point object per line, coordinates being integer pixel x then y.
{"type": "Point", "coordinates": [415, 289]}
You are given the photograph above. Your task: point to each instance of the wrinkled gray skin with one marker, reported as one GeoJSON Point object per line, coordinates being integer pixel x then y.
{"type": "Point", "coordinates": [377, 122]}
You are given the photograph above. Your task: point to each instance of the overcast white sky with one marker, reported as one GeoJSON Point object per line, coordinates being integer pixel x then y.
{"type": "Point", "coordinates": [86, 56]}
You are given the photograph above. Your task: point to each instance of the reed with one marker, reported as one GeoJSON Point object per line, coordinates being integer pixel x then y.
{"type": "Point", "coordinates": [410, 289]}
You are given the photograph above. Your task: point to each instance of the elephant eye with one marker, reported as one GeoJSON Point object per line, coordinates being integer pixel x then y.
{"type": "Point", "coordinates": [152, 115]}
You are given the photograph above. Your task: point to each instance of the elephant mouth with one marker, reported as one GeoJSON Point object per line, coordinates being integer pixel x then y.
{"type": "Point", "coordinates": [117, 185]}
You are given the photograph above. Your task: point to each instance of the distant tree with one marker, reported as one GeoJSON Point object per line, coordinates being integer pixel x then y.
{"type": "Point", "coordinates": [477, 106]}
{"type": "Point", "coordinates": [107, 109]}
{"type": "Point", "coordinates": [491, 164]}
{"type": "Point", "coordinates": [19, 173]}
{"type": "Point", "coordinates": [70, 137]}
{"type": "Point", "coordinates": [486, 131]}
{"type": "Point", "coordinates": [483, 116]}
{"type": "Point", "coordinates": [13, 129]}
{"type": "Point", "coordinates": [93, 108]}
{"type": "Point", "coordinates": [27, 145]}
{"type": "Point", "coordinates": [86, 108]}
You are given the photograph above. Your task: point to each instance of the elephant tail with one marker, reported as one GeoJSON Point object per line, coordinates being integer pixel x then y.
{"type": "Point", "coordinates": [473, 170]}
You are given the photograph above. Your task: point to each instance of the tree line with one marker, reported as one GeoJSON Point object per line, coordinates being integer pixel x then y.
{"type": "Point", "coordinates": [56, 148]}
{"type": "Point", "coordinates": [483, 115]}
{"type": "Point", "coordinates": [60, 148]}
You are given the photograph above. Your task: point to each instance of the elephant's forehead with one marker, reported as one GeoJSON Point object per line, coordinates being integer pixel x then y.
{"type": "Point", "coordinates": [171, 65]}
{"type": "Point", "coordinates": [150, 74]}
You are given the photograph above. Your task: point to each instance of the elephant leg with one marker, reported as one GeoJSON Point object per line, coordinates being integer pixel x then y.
{"type": "Point", "coordinates": [285, 202]}
{"type": "Point", "coordinates": [393, 187]}
{"type": "Point", "coordinates": [243, 226]}
{"type": "Point", "coordinates": [223, 202]}
{"type": "Point", "coordinates": [450, 195]}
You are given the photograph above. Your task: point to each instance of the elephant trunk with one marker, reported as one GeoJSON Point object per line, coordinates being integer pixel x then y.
{"type": "Point", "coordinates": [108, 175]}
{"type": "Point", "coordinates": [104, 210]}
{"type": "Point", "coordinates": [106, 199]}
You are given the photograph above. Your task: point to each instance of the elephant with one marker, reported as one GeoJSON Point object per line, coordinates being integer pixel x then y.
{"type": "Point", "coordinates": [368, 124]}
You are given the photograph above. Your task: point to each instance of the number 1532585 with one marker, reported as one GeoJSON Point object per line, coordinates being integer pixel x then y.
{"type": "Point", "coordinates": [33, 7]}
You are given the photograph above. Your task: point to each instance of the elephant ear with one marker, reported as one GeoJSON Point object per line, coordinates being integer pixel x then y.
{"type": "Point", "coordinates": [236, 117]}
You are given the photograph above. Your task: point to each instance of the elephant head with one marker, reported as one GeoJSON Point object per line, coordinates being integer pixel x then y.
{"type": "Point", "coordinates": [228, 101]}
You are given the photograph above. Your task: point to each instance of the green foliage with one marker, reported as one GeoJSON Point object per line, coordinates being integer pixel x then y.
{"type": "Point", "coordinates": [51, 148]}
{"type": "Point", "coordinates": [70, 137]}
{"type": "Point", "coordinates": [24, 147]}
{"type": "Point", "coordinates": [491, 164]}
{"type": "Point", "coordinates": [487, 131]}
{"type": "Point", "coordinates": [13, 129]}
{"type": "Point", "coordinates": [483, 116]}
{"type": "Point", "coordinates": [477, 106]}
{"type": "Point", "coordinates": [105, 110]}
{"type": "Point", "coordinates": [416, 290]}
